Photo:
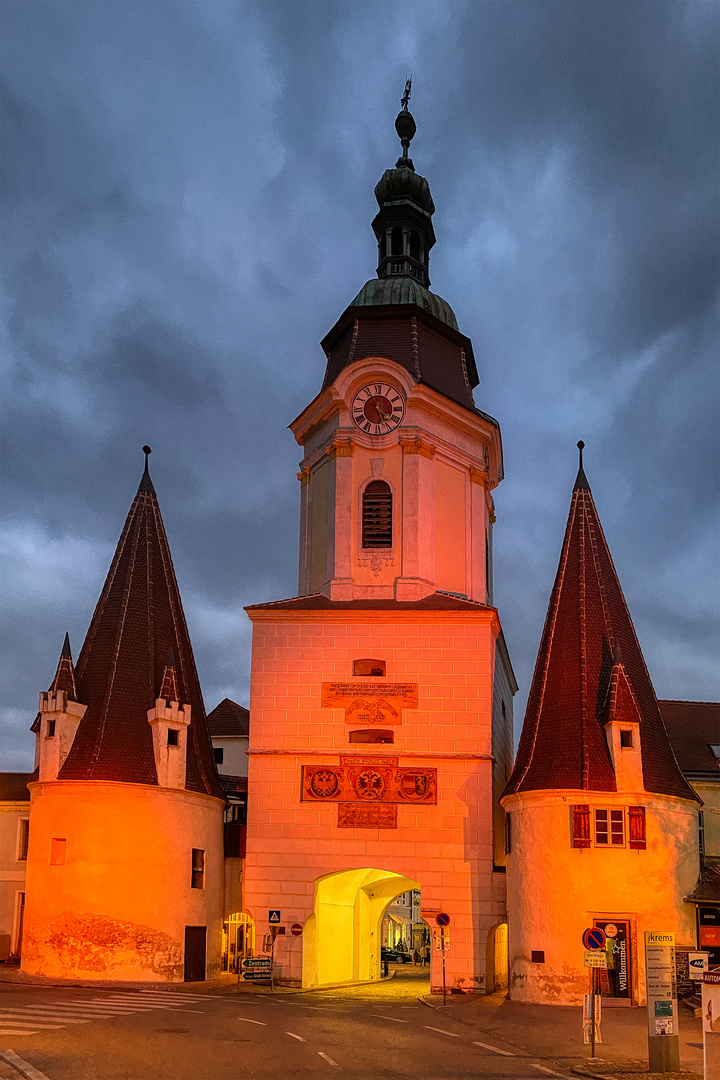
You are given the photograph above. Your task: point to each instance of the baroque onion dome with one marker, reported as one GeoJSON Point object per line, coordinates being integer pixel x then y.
{"type": "Point", "coordinates": [136, 649]}
{"type": "Point", "coordinates": [395, 315]}
{"type": "Point", "coordinates": [590, 670]}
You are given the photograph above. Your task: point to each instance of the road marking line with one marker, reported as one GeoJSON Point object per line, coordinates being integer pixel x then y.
{"type": "Point", "coordinates": [294, 1036]}
{"type": "Point", "coordinates": [18, 1022]}
{"type": "Point", "coordinates": [551, 1071]}
{"type": "Point", "coordinates": [16, 1016]}
{"type": "Point", "coordinates": [495, 1049]}
{"type": "Point", "coordinates": [442, 1031]}
{"type": "Point", "coordinates": [394, 1019]}
{"type": "Point", "coordinates": [328, 1059]}
{"type": "Point", "coordinates": [245, 1020]}
{"type": "Point", "coordinates": [23, 1067]}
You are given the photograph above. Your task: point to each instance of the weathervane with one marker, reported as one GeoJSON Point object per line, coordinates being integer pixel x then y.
{"type": "Point", "coordinates": [405, 99]}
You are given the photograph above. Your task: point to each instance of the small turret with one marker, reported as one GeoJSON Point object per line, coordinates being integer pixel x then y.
{"type": "Point", "coordinates": [169, 721]}
{"type": "Point", "coordinates": [58, 718]}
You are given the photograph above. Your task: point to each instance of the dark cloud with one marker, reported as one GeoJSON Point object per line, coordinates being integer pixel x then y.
{"type": "Point", "coordinates": [187, 202]}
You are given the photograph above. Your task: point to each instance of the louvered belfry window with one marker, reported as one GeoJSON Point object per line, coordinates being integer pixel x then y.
{"type": "Point", "coordinates": [377, 515]}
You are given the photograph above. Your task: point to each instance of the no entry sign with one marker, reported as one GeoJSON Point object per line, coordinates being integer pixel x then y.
{"type": "Point", "coordinates": [296, 929]}
{"type": "Point", "coordinates": [594, 938]}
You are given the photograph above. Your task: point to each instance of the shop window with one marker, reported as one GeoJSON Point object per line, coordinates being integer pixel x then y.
{"type": "Point", "coordinates": [372, 735]}
{"type": "Point", "coordinates": [197, 878]}
{"type": "Point", "coordinates": [173, 736]}
{"type": "Point", "coordinates": [609, 828]}
{"type": "Point", "coordinates": [626, 738]}
{"type": "Point", "coordinates": [377, 515]}
{"type": "Point", "coordinates": [58, 847]}
{"type": "Point", "coordinates": [580, 825]}
{"type": "Point", "coordinates": [375, 668]}
{"type": "Point", "coordinates": [218, 754]}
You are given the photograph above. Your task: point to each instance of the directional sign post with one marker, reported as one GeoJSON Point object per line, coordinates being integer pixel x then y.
{"type": "Point", "coordinates": [663, 1039]}
{"type": "Point", "coordinates": [443, 919]}
{"type": "Point", "coordinates": [594, 941]}
{"type": "Point", "coordinates": [257, 968]}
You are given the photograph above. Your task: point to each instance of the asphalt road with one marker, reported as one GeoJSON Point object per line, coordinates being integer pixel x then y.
{"type": "Point", "coordinates": [371, 1033]}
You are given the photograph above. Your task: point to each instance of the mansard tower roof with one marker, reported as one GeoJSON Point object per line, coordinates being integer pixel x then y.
{"type": "Point", "coordinates": [589, 671]}
{"type": "Point", "coordinates": [137, 647]}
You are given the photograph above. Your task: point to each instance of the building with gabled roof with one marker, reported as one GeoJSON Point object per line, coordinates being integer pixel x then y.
{"type": "Point", "coordinates": [126, 806]}
{"type": "Point", "coordinates": [602, 825]}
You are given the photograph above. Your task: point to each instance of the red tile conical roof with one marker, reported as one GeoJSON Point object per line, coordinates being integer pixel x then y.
{"type": "Point", "coordinates": [588, 638]}
{"type": "Point", "coordinates": [119, 674]}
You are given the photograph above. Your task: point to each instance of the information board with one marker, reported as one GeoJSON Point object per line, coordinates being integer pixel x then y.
{"type": "Point", "coordinates": [661, 985]}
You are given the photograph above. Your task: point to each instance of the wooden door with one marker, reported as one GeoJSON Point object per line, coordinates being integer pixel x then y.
{"type": "Point", "coordinates": [195, 939]}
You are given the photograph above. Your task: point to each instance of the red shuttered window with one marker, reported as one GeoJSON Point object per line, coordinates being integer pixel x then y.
{"type": "Point", "coordinates": [581, 825]}
{"type": "Point", "coordinates": [636, 821]}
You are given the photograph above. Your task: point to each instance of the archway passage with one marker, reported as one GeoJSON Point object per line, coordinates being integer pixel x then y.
{"type": "Point", "coordinates": [342, 937]}
{"type": "Point", "coordinates": [497, 958]}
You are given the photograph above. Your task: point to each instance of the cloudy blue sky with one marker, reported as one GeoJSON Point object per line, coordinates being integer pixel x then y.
{"type": "Point", "coordinates": [187, 195]}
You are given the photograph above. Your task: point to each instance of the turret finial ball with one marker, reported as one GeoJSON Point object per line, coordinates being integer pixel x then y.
{"type": "Point", "coordinates": [146, 450]}
{"type": "Point", "coordinates": [581, 445]}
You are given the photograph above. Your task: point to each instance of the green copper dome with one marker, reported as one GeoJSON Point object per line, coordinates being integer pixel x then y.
{"type": "Point", "coordinates": [404, 290]}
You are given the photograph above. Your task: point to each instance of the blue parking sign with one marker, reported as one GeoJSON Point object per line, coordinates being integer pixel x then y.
{"type": "Point", "coordinates": [274, 915]}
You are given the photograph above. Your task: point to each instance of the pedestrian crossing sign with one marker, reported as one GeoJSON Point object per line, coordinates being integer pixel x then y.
{"type": "Point", "coordinates": [274, 916]}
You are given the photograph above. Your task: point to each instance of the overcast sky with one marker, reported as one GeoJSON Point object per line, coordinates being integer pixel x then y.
{"type": "Point", "coordinates": [188, 191]}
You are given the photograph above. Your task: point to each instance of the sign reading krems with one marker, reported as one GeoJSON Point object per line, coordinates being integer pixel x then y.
{"type": "Point", "coordinates": [370, 702]}
{"type": "Point", "coordinates": [661, 987]}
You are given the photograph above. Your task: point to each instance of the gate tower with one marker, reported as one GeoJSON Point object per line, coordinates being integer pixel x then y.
{"type": "Point", "coordinates": [381, 696]}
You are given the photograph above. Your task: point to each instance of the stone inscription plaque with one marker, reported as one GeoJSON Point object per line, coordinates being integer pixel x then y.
{"type": "Point", "coordinates": [368, 784]}
{"type": "Point", "coordinates": [367, 816]}
{"type": "Point", "coordinates": [370, 702]}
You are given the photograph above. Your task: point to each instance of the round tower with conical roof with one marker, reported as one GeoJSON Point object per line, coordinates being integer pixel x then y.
{"type": "Point", "coordinates": [601, 824]}
{"type": "Point", "coordinates": [125, 861]}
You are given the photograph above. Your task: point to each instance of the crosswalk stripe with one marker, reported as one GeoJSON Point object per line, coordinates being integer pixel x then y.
{"type": "Point", "coordinates": [90, 1013]}
{"type": "Point", "coordinates": [15, 1031]}
{"type": "Point", "coordinates": [18, 1017]}
{"type": "Point", "coordinates": [89, 1007]}
{"type": "Point", "coordinates": [17, 1022]}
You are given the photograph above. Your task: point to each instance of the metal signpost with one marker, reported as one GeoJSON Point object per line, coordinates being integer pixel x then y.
{"type": "Point", "coordinates": [593, 940]}
{"type": "Point", "coordinates": [443, 920]}
{"type": "Point", "coordinates": [663, 1039]}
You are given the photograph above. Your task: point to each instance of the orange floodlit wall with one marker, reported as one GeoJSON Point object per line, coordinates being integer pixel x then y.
{"type": "Point", "coordinates": [113, 900]}
{"type": "Point", "coordinates": [555, 891]}
{"type": "Point", "coordinates": [444, 847]}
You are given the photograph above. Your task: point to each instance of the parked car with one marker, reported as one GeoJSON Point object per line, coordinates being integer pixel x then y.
{"type": "Point", "coordinates": [394, 956]}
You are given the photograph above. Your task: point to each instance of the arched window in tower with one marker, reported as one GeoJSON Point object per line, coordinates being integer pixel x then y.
{"type": "Point", "coordinates": [377, 515]}
{"type": "Point", "coordinates": [414, 245]}
{"type": "Point", "coordinates": [396, 241]}
{"type": "Point", "coordinates": [383, 246]}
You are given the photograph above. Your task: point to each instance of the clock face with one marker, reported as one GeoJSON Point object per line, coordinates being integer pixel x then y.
{"type": "Point", "coordinates": [378, 408]}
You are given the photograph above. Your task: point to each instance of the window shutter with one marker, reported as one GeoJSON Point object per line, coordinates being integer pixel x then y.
{"type": "Point", "coordinates": [377, 515]}
{"type": "Point", "coordinates": [581, 825]}
{"type": "Point", "coordinates": [636, 818]}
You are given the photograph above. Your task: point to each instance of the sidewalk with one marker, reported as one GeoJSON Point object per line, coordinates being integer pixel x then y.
{"type": "Point", "coordinates": [555, 1032]}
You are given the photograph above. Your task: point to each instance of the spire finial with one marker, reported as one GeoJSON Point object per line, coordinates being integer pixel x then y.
{"type": "Point", "coordinates": [405, 127]}
{"type": "Point", "coordinates": [581, 480]}
{"type": "Point", "coordinates": [146, 483]}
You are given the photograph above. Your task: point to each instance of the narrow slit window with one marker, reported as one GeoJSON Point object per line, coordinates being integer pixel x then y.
{"type": "Point", "coordinates": [198, 869]}
{"type": "Point", "coordinates": [626, 738]}
{"type": "Point", "coordinates": [23, 838]}
{"type": "Point", "coordinates": [51, 729]}
{"type": "Point", "coordinates": [173, 737]}
{"type": "Point", "coordinates": [377, 515]}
